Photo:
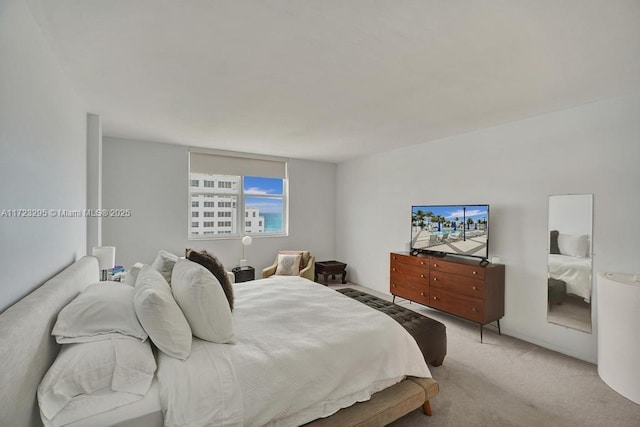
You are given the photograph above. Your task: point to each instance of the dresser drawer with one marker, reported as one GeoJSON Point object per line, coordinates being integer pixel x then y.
{"type": "Point", "coordinates": [457, 284]}
{"type": "Point", "coordinates": [456, 268]}
{"type": "Point", "coordinates": [410, 272]}
{"type": "Point", "coordinates": [410, 260]}
{"type": "Point", "coordinates": [465, 307]}
{"type": "Point", "coordinates": [411, 291]}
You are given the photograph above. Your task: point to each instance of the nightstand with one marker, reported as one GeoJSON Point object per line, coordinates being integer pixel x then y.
{"type": "Point", "coordinates": [244, 273]}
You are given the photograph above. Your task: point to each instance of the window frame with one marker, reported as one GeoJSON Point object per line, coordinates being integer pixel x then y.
{"type": "Point", "coordinates": [239, 218]}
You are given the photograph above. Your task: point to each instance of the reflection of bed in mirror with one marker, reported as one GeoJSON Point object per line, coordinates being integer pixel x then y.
{"type": "Point", "coordinates": [574, 271]}
{"type": "Point", "coordinates": [570, 262]}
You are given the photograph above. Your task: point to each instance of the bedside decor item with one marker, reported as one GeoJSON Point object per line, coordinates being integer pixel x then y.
{"type": "Point", "coordinates": [106, 259]}
{"type": "Point", "coordinates": [246, 241]}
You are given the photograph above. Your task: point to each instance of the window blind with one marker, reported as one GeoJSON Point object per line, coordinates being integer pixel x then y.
{"type": "Point", "coordinates": [220, 164]}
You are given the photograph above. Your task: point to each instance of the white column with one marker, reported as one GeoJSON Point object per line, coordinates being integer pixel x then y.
{"type": "Point", "coordinates": [618, 343]}
{"type": "Point", "coordinates": [94, 180]}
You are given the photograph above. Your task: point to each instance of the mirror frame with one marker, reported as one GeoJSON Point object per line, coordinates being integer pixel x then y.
{"type": "Point", "coordinates": [570, 273]}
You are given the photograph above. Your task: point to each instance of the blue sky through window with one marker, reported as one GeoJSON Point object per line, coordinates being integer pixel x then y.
{"type": "Point", "coordinates": [255, 185]}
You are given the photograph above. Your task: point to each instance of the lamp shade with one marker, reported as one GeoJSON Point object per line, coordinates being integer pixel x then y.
{"type": "Point", "coordinates": [246, 241]}
{"type": "Point", "coordinates": [106, 256]}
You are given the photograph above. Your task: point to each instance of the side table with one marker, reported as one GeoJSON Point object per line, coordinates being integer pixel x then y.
{"type": "Point", "coordinates": [244, 273]}
{"type": "Point", "coordinates": [331, 268]}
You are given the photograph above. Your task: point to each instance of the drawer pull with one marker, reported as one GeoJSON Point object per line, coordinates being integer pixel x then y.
{"type": "Point", "coordinates": [422, 293]}
{"type": "Point", "coordinates": [435, 265]}
{"type": "Point", "coordinates": [473, 309]}
{"type": "Point", "coordinates": [474, 288]}
{"type": "Point", "coordinates": [475, 272]}
{"type": "Point", "coordinates": [435, 298]}
{"type": "Point", "coordinates": [394, 285]}
{"type": "Point", "coordinates": [395, 258]}
{"type": "Point", "coordinates": [421, 262]}
{"type": "Point", "coordinates": [435, 279]}
{"type": "Point", "coordinates": [422, 275]}
{"type": "Point", "coordinates": [393, 269]}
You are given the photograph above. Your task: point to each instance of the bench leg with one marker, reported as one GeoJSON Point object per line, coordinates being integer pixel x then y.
{"type": "Point", "coordinates": [426, 408]}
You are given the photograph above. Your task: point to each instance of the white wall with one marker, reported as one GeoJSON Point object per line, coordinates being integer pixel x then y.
{"type": "Point", "coordinates": [515, 167]}
{"type": "Point", "coordinates": [151, 179]}
{"type": "Point", "coordinates": [42, 160]}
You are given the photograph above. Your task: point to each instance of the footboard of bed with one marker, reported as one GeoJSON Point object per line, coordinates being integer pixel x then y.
{"type": "Point", "coordinates": [385, 406]}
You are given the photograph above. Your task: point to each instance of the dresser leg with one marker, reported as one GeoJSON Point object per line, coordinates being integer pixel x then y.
{"type": "Point", "coordinates": [481, 333]}
{"type": "Point", "coordinates": [498, 321]}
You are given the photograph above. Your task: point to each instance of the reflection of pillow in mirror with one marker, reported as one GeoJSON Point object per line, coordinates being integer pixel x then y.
{"type": "Point", "coordinates": [573, 245]}
{"type": "Point", "coordinates": [553, 242]}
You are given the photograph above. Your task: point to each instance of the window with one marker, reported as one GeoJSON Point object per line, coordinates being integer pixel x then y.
{"type": "Point", "coordinates": [195, 214]}
{"type": "Point", "coordinates": [232, 185]}
{"type": "Point", "coordinates": [194, 224]}
{"type": "Point", "coordinates": [195, 183]}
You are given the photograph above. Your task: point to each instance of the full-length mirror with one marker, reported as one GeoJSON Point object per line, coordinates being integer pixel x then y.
{"type": "Point", "coordinates": [569, 266]}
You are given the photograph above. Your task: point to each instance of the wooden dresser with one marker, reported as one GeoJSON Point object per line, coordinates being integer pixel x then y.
{"type": "Point", "coordinates": [458, 286]}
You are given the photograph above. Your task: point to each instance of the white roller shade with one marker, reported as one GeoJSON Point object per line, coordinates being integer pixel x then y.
{"type": "Point", "coordinates": [217, 164]}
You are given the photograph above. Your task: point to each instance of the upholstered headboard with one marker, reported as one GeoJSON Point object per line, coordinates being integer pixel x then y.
{"type": "Point", "coordinates": [27, 348]}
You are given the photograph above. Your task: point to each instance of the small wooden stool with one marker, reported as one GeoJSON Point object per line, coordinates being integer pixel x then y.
{"type": "Point", "coordinates": [330, 268]}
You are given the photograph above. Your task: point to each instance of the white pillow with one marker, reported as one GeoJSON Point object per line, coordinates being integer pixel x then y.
{"type": "Point", "coordinates": [164, 263]}
{"type": "Point", "coordinates": [203, 302]}
{"type": "Point", "coordinates": [100, 311]}
{"type": "Point", "coordinates": [288, 265]}
{"type": "Point", "coordinates": [574, 245]}
{"type": "Point", "coordinates": [120, 365]}
{"type": "Point", "coordinates": [132, 274]}
{"type": "Point", "coordinates": [160, 315]}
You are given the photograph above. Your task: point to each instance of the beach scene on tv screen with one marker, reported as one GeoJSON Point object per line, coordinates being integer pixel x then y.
{"type": "Point", "coordinates": [461, 230]}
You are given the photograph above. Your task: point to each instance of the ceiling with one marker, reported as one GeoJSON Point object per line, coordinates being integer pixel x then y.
{"type": "Point", "coordinates": [332, 80]}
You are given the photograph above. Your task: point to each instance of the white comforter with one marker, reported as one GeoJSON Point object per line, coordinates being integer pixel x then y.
{"type": "Point", "coordinates": [302, 352]}
{"type": "Point", "coordinates": [574, 271]}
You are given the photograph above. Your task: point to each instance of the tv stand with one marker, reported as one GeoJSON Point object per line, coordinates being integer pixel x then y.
{"type": "Point", "coordinates": [457, 286]}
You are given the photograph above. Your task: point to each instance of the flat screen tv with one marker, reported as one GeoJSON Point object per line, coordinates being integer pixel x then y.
{"type": "Point", "coordinates": [450, 229]}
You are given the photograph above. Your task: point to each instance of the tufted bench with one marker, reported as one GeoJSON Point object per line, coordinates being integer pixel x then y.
{"type": "Point", "coordinates": [430, 334]}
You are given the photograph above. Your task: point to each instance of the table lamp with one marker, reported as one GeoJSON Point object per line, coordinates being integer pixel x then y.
{"type": "Point", "coordinates": [246, 241]}
{"type": "Point", "coordinates": [106, 259]}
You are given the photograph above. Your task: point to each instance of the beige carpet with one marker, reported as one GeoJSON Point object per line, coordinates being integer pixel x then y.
{"type": "Point", "coordinates": [509, 382]}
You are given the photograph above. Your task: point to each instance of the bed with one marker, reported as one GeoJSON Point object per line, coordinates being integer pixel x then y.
{"type": "Point", "coordinates": [575, 272]}
{"type": "Point", "coordinates": [28, 350]}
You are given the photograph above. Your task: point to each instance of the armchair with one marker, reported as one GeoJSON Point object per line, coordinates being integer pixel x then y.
{"type": "Point", "coordinates": [307, 265]}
